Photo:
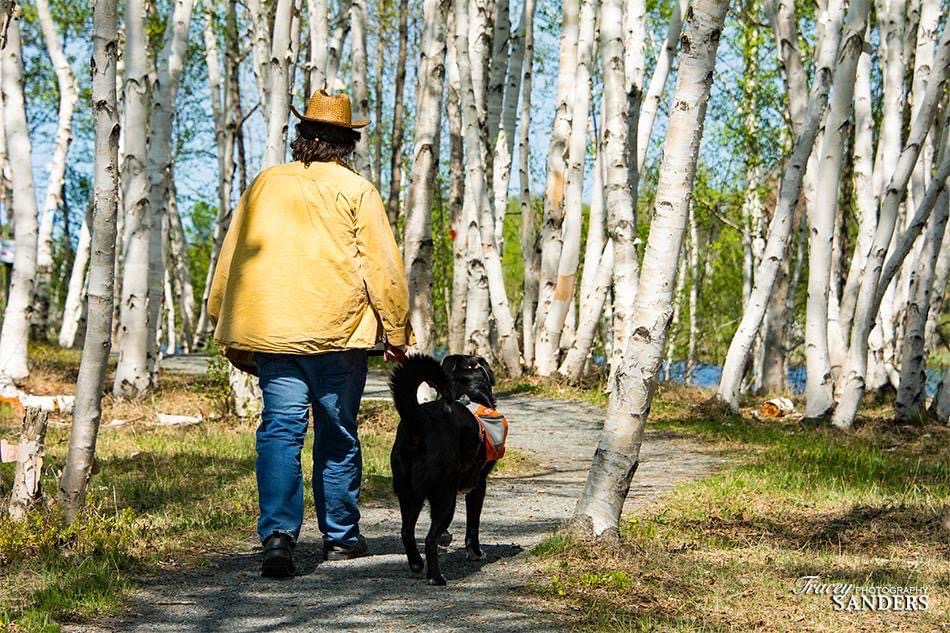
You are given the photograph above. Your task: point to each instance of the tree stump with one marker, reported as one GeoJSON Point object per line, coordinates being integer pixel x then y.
{"type": "Point", "coordinates": [27, 489]}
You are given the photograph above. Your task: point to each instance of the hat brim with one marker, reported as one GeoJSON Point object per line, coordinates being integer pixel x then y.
{"type": "Point", "coordinates": [352, 125]}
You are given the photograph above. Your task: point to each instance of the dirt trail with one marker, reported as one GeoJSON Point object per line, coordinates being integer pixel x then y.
{"type": "Point", "coordinates": [379, 592]}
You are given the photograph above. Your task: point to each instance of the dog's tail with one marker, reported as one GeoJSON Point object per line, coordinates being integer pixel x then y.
{"type": "Point", "coordinates": [407, 377]}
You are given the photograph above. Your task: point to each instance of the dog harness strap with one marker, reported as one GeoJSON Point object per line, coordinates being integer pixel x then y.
{"type": "Point", "coordinates": [494, 429]}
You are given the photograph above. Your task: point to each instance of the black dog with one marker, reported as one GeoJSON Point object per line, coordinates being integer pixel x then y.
{"type": "Point", "coordinates": [440, 451]}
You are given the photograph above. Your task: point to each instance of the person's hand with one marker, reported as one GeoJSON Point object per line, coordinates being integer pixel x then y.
{"type": "Point", "coordinates": [394, 353]}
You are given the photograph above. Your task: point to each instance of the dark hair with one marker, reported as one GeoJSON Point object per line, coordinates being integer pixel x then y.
{"type": "Point", "coordinates": [323, 143]}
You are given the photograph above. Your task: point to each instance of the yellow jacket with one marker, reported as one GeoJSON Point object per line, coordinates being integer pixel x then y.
{"type": "Point", "coordinates": [308, 265]}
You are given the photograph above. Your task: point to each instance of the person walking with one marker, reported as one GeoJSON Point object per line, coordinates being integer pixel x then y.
{"type": "Point", "coordinates": [308, 279]}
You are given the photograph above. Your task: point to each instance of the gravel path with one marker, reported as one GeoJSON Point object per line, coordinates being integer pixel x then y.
{"type": "Point", "coordinates": [379, 592]}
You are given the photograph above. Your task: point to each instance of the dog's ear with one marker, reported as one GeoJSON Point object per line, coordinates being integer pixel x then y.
{"type": "Point", "coordinates": [484, 365]}
{"type": "Point", "coordinates": [450, 363]}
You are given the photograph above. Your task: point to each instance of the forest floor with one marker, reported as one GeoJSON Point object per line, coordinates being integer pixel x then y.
{"type": "Point", "coordinates": [725, 514]}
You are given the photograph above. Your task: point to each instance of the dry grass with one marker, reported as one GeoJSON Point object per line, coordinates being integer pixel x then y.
{"type": "Point", "coordinates": [869, 508]}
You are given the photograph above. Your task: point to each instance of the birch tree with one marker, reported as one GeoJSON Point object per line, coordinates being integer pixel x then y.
{"type": "Point", "coordinates": [549, 332]}
{"type": "Point", "coordinates": [425, 160]}
{"type": "Point", "coordinates": [68, 95]}
{"type": "Point", "coordinates": [553, 212]}
{"type": "Point", "coordinates": [819, 383]}
{"type": "Point", "coordinates": [360, 83]}
{"type": "Point", "coordinates": [319, 45]}
{"type": "Point", "coordinates": [483, 219]}
{"type": "Point", "coordinates": [75, 294]}
{"type": "Point", "coordinates": [131, 376]}
{"type": "Point", "coordinates": [395, 154]}
{"type": "Point", "coordinates": [876, 276]}
{"type": "Point", "coordinates": [160, 156]}
{"type": "Point", "coordinates": [453, 114]}
{"type": "Point", "coordinates": [529, 248]}
{"type": "Point", "coordinates": [15, 332]}
{"type": "Point", "coordinates": [782, 221]}
{"type": "Point", "coordinates": [278, 93]}
{"type": "Point", "coordinates": [87, 410]}
{"type": "Point", "coordinates": [617, 455]}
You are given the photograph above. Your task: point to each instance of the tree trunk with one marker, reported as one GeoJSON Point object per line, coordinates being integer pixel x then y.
{"type": "Point", "coordinates": [477, 192]}
{"type": "Point", "coordinates": [417, 249]}
{"type": "Point", "coordinates": [395, 155]}
{"type": "Point", "coordinates": [593, 305]}
{"type": "Point", "coordinates": [617, 455]}
{"type": "Point", "coordinates": [73, 310]}
{"type": "Point", "coordinates": [664, 62]}
{"type": "Point", "coordinates": [27, 491]}
{"type": "Point", "coordinates": [940, 406]}
{"type": "Point", "coordinates": [335, 47]}
{"type": "Point", "coordinates": [131, 377]}
{"type": "Point", "coordinates": [911, 393]}
{"type": "Point", "coordinates": [873, 283]}
{"type": "Point", "coordinates": [87, 409]}
{"type": "Point", "coordinates": [15, 332]}
{"type": "Point", "coordinates": [549, 332]}
{"type": "Point", "coordinates": [529, 240]}
{"type": "Point", "coordinates": [621, 197]}
{"type": "Point", "coordinates": [360, 82]}
{"type": "Point", "coordinates": [226, 112]}
{"type": "Point", "coordinates": [695, 278]}
{"type": "Point", "coordinates": [453, 113]}
{"type": "Point", "coordinates": [160, 158]}
{"type": "Point", "coordinates": [278, 103]}
{"type": "Point", "coordinates": [319, 45]}
{"type": "Point", "coordinates": [179, 269]}
{"type": "Point", "coordinates": [818, 387]}
{"type": "Point", "coordinates": [68, 95]}
{"type": "Point", "coordinates": [553, 213]}
{"type": "Point", "coordinates": [780, 228]}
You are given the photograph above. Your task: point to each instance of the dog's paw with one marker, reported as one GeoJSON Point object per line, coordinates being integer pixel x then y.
{"type": "Point", "coordinates": [445, 539]}
{"type": "Point", "coordinates": [437, 581]}
{"type": "Point", "coordinates": [417, 566]}
{"type": "Point", "coordinates": [474, 553]}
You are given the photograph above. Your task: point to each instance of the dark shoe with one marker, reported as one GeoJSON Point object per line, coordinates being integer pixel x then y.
{"type": "Point", "coordinates": [338, 551]}
{"type": "Point", "coordinates": [278, 556]}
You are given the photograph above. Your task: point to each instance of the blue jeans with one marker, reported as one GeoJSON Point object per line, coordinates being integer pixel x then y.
{"type": "Point", "coordinates": [332, 384]}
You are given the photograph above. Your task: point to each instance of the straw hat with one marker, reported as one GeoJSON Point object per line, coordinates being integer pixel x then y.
{"type": "Point", "coordinates": [332, 109]}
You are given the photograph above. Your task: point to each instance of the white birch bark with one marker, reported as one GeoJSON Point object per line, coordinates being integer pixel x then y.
{"type": "Point", "coordinates": [68, 95]}
{"type": "Point", "coordinates": [87, 409]}
{"type": "Point", "coordinates": [278, 106]}
{"type": "Point", "coordinates": [529, 242]}
{"type": "Point", "coordinates": [819, 384]}
{"type": "Point", "coordinates": [866, 201]}
{"type": "Point", "coordinates": [179, 271]}
{"type": "Point", "coordinates": [319, 44]}
{"type": "Point", "coordinates": [170, 334]}
{"type": "Point", "coordinates": [26, 491]}
{"type": "Point", "coordinates": [694, 281]}
{"type": "Point", "coordinates": [131, 376]}
{"type": "Point", "coordinates": [73, 310]}
{"type": "Point", "coordinates": [165, 91]}
{"type": "Point", "coordinates": [15, 332]}
{"type": "Point", "coordinates": [260, 32]}
{"type": "Point", "coordinates": [940, 405]}
{"type": "Point", "coordinates": [417, 245]}
{"type": "Point", "coordinates": [617, 455]}
{"type": "Point", "coordinates": [664, 62]}
{"type": "Point", "coordinates": [592, 306]}
{"type": "Point", "coordinates": [940, 284]}
{"type": "Point", "coordinates": [873, 284]}
{"type": "Point", "coordinates": [781, 226]}
{"type": "Point", "coordinates": [360, 81]}
{"type": "Point", "coordinates": [225, 110]}
{"type": "Point", "coordinates": [549, 334]}
{"type": "Point", "coordinates": [453, 115]}
{"type": "Point", "coordinates": [338, 37]}
{"type": "Point", "coordinates": [476, 190]}
{"type": "Point", "coordinates": [498, 68]}
{"type": "Point", "coordinates": [911, 392]}
{"type": "Point", "coordinates": [596, 231]}
{"type": "Point", "coordinates": [928, 24]}
{"type": "Point", "coordinates": [622, 173]}
{"type": "Point", "coordinates": [553, 213]}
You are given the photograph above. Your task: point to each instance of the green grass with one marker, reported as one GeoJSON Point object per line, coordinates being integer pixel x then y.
{"type": "Point", "coordinates": [161, 496]}
{"type": "Point", "coordinates": [869, 507]}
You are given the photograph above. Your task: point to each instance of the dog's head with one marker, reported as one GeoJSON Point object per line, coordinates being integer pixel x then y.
{"type": "Point", "coordinates": [472, 376]}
